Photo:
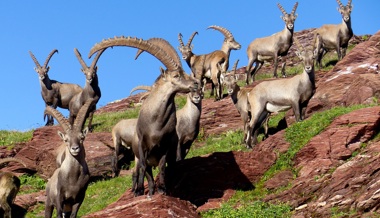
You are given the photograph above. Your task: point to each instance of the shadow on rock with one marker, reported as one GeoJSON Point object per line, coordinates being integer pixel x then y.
{"type": "Point", "coordinates": [202, 178]}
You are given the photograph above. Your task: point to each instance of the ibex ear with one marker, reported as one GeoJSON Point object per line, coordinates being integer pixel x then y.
{"type": "Point", "coordinates": [62, 136]}
{"type": "Point", "coordinates": [85, 131]}
{"type": "Point", "coordinates": [163, 74]}
{"type": "Point", "coordinates": [283, 18]}
{"type": "Point", "coordinates": [47, 69]}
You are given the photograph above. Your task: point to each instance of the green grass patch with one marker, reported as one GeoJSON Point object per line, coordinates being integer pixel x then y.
{"type": "Point", "coordinates": [30, 184]}
{"type": "Point", "coordinates": [106, 121]}
{"type": "Point", "coordinates": [12, 137]}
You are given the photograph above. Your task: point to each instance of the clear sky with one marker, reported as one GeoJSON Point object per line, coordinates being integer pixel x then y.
{"type": "Point", "coordinates": [41, 26]}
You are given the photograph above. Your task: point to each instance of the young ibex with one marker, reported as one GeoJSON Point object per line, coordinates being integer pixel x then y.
{"type": "Point", "coordinates": [9, 187]}
{"type": "Point", "coordinates": [239, 97]}
{"type": "Point", "coordinates": [205, 66]}
{"type": "Point", "coordinates": [54, 93]}
{"type": "Point", "coordinates": [67, 186]}
{"type": "Point", "coordinates": [154, 142]}
{"type": "Point", "coordinates": [122, 136]}
{"type": "Point", "coordinates": [188, 123]}
{"type": "Point", "coordinates": [90, 90]}
{"type": "Point", "coordinates": [280, 95]}
{"type": "Point", "coordinates": [271, 47]}
{"type": "Point", "coordinates": [335, 37]}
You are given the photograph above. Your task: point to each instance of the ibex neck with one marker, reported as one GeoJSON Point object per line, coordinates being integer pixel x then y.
{"type": "Point", "coordinates": [347, 25]}
{"type": "Point", "coordinates": [226, 49]}
{"type": "Point", "coordinates": [46, 82]}
{"type": "Point", "coordinates": [235, 94]}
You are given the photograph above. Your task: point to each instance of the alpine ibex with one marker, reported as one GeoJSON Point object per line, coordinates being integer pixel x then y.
{"type": "Point", "coordinates": [122, 136]}
{"type": "Point", "coordinates": [281, 95]}
{"type": "Point", "coordinates": [155, 143]}
{"type": "Point", "coordinates": [188, 118]}
{"type": "Point", "coordinates": [239, 97]}
{"type": "Point", "coordinates": [188, 123]}
{"type": "Point", "coordinates": [335, 37]}
{"type": "Point", "coordinates": [9, 187]}
{"type": "Point", "coordinates": [90, 90]}
{"type": "Point", "coordinates": [66, 188]}
{"type": "Point", "coordinates": [271, 47]}
{"type": "Point", "coordinates": [54, 93]}
{"type": "Point", "coordinates": [205, 66]}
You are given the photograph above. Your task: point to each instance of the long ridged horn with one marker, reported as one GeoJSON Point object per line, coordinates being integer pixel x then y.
{"type": "Point", "coordinates": [152, 49]}
{"type": "Point", "coordinates": [180, 40]}
{"type": "Point", "coordinates": [10, 159]}
{"type": "Point", "coordinates": [95, 61]}
{"type": "Point", "coordinates": [294, 8]}
{"type": "Point", "coordinates": [59, 117]}
{"type": "Point", "coordinates": [191, 38]}
{"type": "Point", "coordinates": [340, 3]}
{"type": "Point", "coordinates": [35, 60]}
{"type": "Point", "coordinates": [49, 57]}
{"type": "Point", "coordinates": [164, 45]}
{"type": "Point", "coordinates": [142, 87]}
{"type": "Point", "coordinates": [224, 31]}
{"type": "Point", "coordinates": [282, 9]}
{"type": "Point", "coordinates": [234, 67]}
{"type": "Point", "coordinates": [81, 117]}
{"type": "Point", "coordinates": [349, 3]}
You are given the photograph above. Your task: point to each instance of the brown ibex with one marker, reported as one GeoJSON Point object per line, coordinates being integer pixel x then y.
{"type": "Point", "coordinates": [9, 187]}
{"type": "Point", "coordinates": [335, 37]}
{"type": "Point", "coordinates": [90, 90]}
{"type": "Point", "coordinates": [205, 66]}
{"type": "Point", "coordinates": [155, 143]}
{"type": "Point", "coordinates": [239, 97]}
{"type": "Point", "coordinates": [54, 93]}
{"type": "Point", "coordinates": [282, 94]}
{"type": "Point", "coordinates": [66, 188]}
{"type": "Point", "coordinates": [271, 47]}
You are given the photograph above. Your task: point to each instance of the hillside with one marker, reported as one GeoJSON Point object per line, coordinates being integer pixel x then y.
{"type": "Point", "coordinates": [337, 169]}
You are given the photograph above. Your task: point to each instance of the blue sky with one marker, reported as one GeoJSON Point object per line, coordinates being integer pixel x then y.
{"type": "Point", "coordinates": [41, 26]}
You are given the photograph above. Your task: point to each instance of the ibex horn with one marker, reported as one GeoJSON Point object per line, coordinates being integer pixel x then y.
{"type": "Point", "coordinates": [152, 49]}
{"type": "Point", "coordinates": [81, 117]}
{"type": "Point", "coordinates": [180, 40]}
{"type": "Point", "coordinates": [59, 117]}
{"type": "Point", "coordinates": [142, 87]}
{"type": "Point", "coordinates": [282, 9]}
{"type": "Point", "coordinates": [80, 59]}
{"type": "Point", "coordinates": [49, 56]}
{"type": "Point", "coordinates": [224, 31]}
{"type": "Point", "coordinates": [235, 66]}
{"type": "Point", "coordinates": [9, 159]}
{"type": "Point", "coordinates": [35, 60]}
{"type": "Point", "coordinates": [294, 8]}
{"type": "Point", "coordinates": [340, 4]}
{"type": "Point", "coordinates": [191, 38]}
{"type": "Point", "coordinates": [95, 61]}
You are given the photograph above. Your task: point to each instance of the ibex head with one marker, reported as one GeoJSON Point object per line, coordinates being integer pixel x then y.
{"type": "Point", "coordinates": [289, 18]}
{"type": "Point", "coordinates": [89, 72]}
{"type": "Point", "coordinates": [73, 136]}
{"type": "Point", "coordinates": [306, 55]}
{"type": "Point", "coordinates": [230, 79]}
{"type": "Point", "coordinates": [229, 39]}
{"type": "Point", "coordinates": [186, 50]}
{"type": "Point", "coordinates": [42, 70]}
{"type": "Point", "coordinates": [345, 11]}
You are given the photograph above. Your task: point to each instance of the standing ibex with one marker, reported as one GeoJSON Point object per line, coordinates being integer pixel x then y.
{"type": "Point", "coordinates": [155, 143]}
{"type": "Point", "coordinates": [90, 90]}
{"type": "Point", "coordinates": [335, 37]}
{"type": "Point", "coordinates": [239, 97]}
{"type": "Point", "coordinates": [122, 136]}
{"type": "Point", "coordinates": [9, 187]}
{"type": "Point", "coordinates": [271, 47]}
{"type": "Point", "coordinates": [205, 66]}
{"type": "Point", "coordinates": [188, 123]}
{"type": "Point", "coordinates": [281, 95]}
{"type": "Point", "coordinates": [66, 188]}
{"type": "Point", "coordinates": [54, 93]}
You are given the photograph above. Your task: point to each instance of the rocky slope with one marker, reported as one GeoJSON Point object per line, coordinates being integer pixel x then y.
{"type": "Point", "coordinates": [331, 174]}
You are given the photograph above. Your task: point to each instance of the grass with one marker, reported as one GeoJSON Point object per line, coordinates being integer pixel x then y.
{"type": "Point", "coordinates": [9, 138]}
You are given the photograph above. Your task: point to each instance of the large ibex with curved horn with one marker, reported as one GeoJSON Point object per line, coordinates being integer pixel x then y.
{"type": "Point", "coordinates": [54, 93]}
{"type": "Point", "coordinates": [282, 94]}
{"type": "Point", "coordinates": [67, 186]}
{"type": "Point", "coordinates": [335, 37]}
{"type": "Point", "coordinates": [9, 187]}
{"type": "Point", "coordinates": [155, 140]}
{"type": "Point", "coordinates": [271, 47]}
{"type": "Point", "coordinates": [90, 90]}
{"type": "Point", "coordinates": [206, 66]}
